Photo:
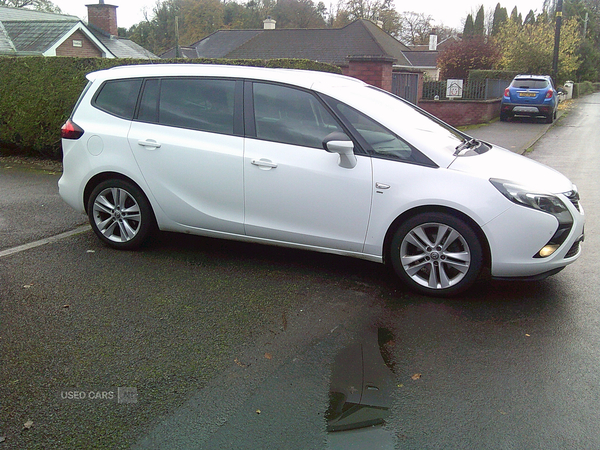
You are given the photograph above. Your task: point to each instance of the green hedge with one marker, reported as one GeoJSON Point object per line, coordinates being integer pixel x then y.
{"type": "Point", "coordinates": [37, 95]}
{"type": "Point", "coordinates": [492, 74]}
{"type": "Point", "coordinates": [584, 88]}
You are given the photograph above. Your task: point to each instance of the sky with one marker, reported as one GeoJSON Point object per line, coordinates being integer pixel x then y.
{"type": "Point", "coordinates": [446, 12]}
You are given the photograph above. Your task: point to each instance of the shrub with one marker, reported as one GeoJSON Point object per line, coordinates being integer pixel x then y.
{"type": "Point", "coordinates": [37, 94]}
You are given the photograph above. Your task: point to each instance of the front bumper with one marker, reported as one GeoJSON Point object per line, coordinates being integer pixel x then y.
{"type": "Point", "coordinates": [519, 233]}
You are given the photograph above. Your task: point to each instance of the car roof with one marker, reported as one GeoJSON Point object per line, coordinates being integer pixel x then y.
{"type": "Point", "coordinates": [302, 78]}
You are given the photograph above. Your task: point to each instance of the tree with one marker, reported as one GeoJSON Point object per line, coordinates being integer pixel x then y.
{"type": "Point", "coordinates": [299, 14]}
{"type": "Point", "coordinates": [479, 24]}
{"type": "Point", "coordinates": [529, 18]}
{"type": "Point", "coordinates": [415, 28]}
{"type": "Point", "coordinates": [199, 18]}
{"type": "Point", "coordinates": [469, 29]}
{"type": "Point", "coordinates": [40, 5]}
{"type": "Point", "coordinates": [516, 17]}
{"type": "Point", "coordinates": [476, 53]}
{"type": "Point", "coordinates": [500, 18]}
{"type": "Point", "coordinates": [529, 48]}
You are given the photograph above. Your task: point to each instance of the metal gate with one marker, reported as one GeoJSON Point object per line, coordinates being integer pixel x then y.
{"type": "Point", "coordinates": [406, 85]}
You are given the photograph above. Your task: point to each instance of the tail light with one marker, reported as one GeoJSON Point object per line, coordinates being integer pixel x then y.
{"type": "Point", "coordinates": [70, 130]}
{"type": "Point", "coordinates": [507, 92]}
{"type": "Point", "coordinates": [550, 93]}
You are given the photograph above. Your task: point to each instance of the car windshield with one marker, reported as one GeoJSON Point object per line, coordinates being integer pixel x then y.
{"type": "Point", "coordinates": [529, 83]}
{"type": "Point", "coordinates": [414, 125]}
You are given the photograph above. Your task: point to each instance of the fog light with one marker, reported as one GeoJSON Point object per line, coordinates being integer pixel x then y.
{"type": "Point", "coordinates": [548, 250]}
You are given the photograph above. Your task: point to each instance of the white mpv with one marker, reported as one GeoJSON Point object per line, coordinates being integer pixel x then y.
{"type": "Point", "coordinates": [315, 161]}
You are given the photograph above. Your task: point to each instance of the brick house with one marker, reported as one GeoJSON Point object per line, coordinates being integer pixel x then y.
{"type": "Point", "coordinates": [25, 32]}
{"type": "Point", "coordinates": [361, 49]}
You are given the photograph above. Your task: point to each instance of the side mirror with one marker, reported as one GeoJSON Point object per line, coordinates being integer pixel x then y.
{"type": "Point", "coordinates": [341, 144]}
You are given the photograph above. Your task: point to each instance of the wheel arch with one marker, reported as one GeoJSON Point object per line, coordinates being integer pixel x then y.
{"type": "Point", "coordinates": [99, 178]}
{"type": "Point", "coordinates": [436, 209]}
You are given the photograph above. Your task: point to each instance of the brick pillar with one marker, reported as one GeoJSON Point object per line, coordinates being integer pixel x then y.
{"type": "Point", "coordinates": [103, 16]}
{"type": "Point", "coordinates": [375, 70]}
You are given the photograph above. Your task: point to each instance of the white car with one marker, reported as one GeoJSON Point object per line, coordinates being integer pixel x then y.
{"type": "Point", "coordinates": [315, 161]}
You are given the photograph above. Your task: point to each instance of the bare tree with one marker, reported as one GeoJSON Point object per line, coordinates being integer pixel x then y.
{"type": "Point", "coordinates": [40, 5]}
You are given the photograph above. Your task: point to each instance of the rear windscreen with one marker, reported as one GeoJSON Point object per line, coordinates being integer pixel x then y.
{"type": "Point", "coordinates": [530, 84]}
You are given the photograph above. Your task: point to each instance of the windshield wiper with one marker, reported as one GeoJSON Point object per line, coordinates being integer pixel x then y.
{"type": "Point", "coordinates": [467, 144]}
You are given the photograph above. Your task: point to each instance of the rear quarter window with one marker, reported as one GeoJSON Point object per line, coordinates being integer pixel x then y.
{"type": "Point", "coordinates": [118, 97]}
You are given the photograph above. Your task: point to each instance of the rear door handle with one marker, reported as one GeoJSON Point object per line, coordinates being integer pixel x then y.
{"type": "Point", "coordinates": [150, 143]}
{"type": "Point", "coordinates": [264, 163]}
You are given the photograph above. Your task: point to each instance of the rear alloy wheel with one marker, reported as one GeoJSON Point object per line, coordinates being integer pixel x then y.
{"type": "Point", "coordinates": [436, 254]}
{"type": "Point", "coordinates": [120, 214]}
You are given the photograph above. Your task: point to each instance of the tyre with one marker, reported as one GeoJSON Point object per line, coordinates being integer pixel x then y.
{"type": "Point", "coordinates": [550, 118]}
{"type": "Point", "coordinates": [120, 214]}
{"type": "Point", "coordinates": [436, 254]}
{"type": "Point", "coordinates": [503, 117]}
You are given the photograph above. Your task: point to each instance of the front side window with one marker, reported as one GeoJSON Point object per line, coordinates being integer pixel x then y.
{"type": "Point", "coordinates": [291, 116]}
{"type": "Point", "coordinates": [193, 103]}
{"type": "Point", "coordinates": [118, 97]}
{"type": "Point", "coordinates": [379, 140]}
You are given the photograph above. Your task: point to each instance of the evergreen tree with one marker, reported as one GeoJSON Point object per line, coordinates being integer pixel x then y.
{"type": "Point", "coordinates": [500, 18]}
{"type": "Point", "coordinates": [479, 25]}
{"type": "Point", "coordinates": [469, 30]}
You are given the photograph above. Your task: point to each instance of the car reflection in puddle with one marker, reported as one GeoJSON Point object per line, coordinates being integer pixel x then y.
{"type": "Point", "coordinates": [360, 394]}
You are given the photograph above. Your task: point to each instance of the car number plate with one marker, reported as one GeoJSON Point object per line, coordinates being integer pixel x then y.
{"type": "Point", "coordinates": [527, 94]}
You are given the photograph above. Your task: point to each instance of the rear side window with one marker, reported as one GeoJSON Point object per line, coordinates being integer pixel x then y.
{"type": "Point", "coordinates": [195, 103]}
{"type": "Point", "coordinates": [119, 97]}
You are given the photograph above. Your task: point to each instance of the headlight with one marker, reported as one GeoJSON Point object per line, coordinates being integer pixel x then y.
{"type": "Point", "coordinates": [547, 203]}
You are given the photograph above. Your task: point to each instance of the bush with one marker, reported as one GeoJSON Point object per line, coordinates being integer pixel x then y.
{"type": "Point", "coordinates": [584, 88]}
{"type": "Point", "coordinates": [37, 94]}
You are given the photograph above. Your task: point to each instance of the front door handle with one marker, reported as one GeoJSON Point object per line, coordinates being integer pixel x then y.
{"type": "Point", "coordinates": [150, 143]}
{"type": "Point", "coordinates": [264, 163]}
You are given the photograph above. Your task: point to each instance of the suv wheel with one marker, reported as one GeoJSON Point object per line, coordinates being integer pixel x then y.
{"type": "Point", "coordinates": [120, 214]}
{"type": "Point", "coordinates": [436, 254]}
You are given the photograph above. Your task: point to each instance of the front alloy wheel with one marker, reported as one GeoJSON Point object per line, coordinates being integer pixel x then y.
{"type": "Point", "coordinates": [436, 254]}
{"type": "Point", "coordinates": [120, 214]}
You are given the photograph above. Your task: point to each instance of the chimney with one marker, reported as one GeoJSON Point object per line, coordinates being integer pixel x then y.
{"type": "Point", "coordinates": [433, 42]}
{"type": "Point", "coordinates": [104, 17]}
{"type": "Point", "coordinates": [269, 24]}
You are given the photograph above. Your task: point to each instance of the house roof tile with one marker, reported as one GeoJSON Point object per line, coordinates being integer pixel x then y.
{"type": "Point", "coordinates": [24, 31]}
{"type": "Point", "coordinates": [330, 45]}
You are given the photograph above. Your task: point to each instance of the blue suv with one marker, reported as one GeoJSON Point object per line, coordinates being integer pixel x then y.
{"type": "Point", "coordinates": [530, 95]}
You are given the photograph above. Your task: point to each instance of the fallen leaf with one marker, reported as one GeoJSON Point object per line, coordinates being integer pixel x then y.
{"type": "Point", "coordinates": [416, 376]}
{"type": "Point", "coordinates": [27, 286]}
{"type": "Point", "coordinates": [65, 306]}
{"type": "Point", "coordinates": [241, 364]}
{"type": "Point", "coordinates": [527, 335]}
{"type": "Point", "coordinates": [2, 438]}
{"type": "Point", "coordinates": [91, 251]}
{"type": "Point", "coordinates": [258, 411]}
{"type": "Point", "coordinates": [27, 425]}
{"type": "Point", "coordinates": [268, 356]}
{"type": "Point", "coordinates": [400, 385]}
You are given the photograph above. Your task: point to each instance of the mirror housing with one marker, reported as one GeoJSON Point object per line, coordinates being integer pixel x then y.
{"type": "Point", "coordinates": [341, 144]}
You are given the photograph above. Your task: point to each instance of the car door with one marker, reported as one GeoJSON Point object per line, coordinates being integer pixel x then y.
{"type": "Point", "coordinates": [187, 139]}
{"type": "Point", "coordinates": [295, 191]}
